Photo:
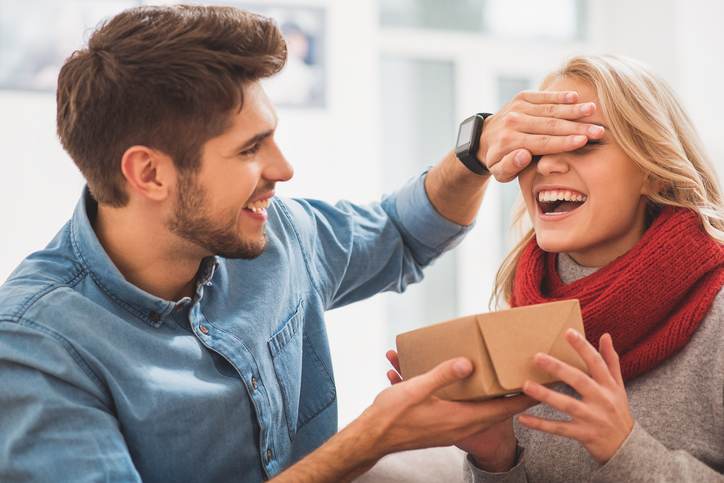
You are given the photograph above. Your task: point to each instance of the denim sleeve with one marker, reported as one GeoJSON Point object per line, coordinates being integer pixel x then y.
{"type": "Point", "coordinates": [357, 251]}
{"type": "Point", "coordinates": [54, 423]}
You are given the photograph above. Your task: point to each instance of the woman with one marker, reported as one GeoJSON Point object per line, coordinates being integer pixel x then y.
{"type": "Point", "coordinates": [632, 226]}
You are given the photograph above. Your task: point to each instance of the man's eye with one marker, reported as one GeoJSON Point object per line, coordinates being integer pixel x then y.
{"type": "Point", "coordinates": [250, 151]}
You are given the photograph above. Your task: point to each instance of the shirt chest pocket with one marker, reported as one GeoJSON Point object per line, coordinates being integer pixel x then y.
{"type": "Point", "coordinates": [306, 384]}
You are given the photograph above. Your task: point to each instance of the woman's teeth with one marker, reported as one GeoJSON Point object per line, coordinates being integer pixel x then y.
{"type": "Point", "coordinates": [558, 195]}
{"type": "Point", "coordinates": [559, 202]}
{"type": "Point", "coordinates": [258, 206]}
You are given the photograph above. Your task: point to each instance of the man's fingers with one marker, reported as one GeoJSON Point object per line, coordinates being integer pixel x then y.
{"type": "Point", "coordinates": [548, 97]}
{"type": "Point", "coordinates": [394, 360]}
{"type": "Point", "coordinates": [559, 111]}
{"type": "Point", "coordinates": [535, 144]}
{"type": "Point", "coordinates": [544, 144]}
{"type": "Point", "coordinates": [492, 411]}
{"type": "Point", "coordinates": [556, 127]}
{"type": "Point", "coordinates": [442, 375]}
{"type": "Point", "coordinates": [505, 407]}
{"type": "Point", "coordinates": [511, 165]}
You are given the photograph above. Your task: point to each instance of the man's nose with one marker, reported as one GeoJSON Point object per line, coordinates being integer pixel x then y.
{"type": "Point", "coordinates": [278, 168]}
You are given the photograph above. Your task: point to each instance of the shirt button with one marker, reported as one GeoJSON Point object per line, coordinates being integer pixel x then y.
{"type": "Point", "coordinates": [269, 454]}
{"type": "Point", "coordinates": [204, 330]}
{"type": "Point", "coordinates": [154, 316]}
{"type": "Point", "coordinates": [253, 382]}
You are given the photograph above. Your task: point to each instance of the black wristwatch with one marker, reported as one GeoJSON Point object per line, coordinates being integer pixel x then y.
{"type": "Point", "coordinates": [468, 142]}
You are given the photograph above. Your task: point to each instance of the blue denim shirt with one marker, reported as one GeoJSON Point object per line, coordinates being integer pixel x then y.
{"type": "Point", "coordinates": [101, 381]}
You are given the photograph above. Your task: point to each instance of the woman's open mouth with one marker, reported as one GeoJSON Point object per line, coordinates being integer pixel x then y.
{"type": "Point", "coordinates": [558, 203]}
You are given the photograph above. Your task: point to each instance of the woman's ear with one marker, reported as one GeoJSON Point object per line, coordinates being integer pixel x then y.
{"type": "Point", "coordinates": [148, 172]}
{"type": "Point", "coordinates": [653, 186]}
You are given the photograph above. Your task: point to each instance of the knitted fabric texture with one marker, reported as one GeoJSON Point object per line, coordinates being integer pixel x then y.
{"type": "Point", "coordinates": [651, 299]}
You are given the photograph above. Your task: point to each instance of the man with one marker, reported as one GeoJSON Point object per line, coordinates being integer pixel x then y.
{"type": "Point", "coordinates": [173, 330]}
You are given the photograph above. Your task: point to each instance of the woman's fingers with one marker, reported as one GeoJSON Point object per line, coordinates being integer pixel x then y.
{"type": "Point", "coordinates": [596, 365]}
{"type": "Point", "coordinates": [565, 404]}
{"type": "Point", "coordinates": [574, 377]}
{"type": "Point", "coordinates": [394, 360]}
{"type": "Point", "coordinates": [393, 377]}
{"type": "Point", "coordinates": [610, 356]}
{"type": "Point", "coordinates": [561, 428]}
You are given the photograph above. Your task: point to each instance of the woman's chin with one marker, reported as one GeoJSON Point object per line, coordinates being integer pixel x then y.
{"type": "Point", "coordinates": [556, 244]}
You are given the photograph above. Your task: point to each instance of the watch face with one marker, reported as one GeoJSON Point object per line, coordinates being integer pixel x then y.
{"type": "Point", "coordinates": [466, 131]}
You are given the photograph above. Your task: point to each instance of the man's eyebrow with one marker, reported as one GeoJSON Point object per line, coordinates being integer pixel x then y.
{"type": "Point", "coordinates": [257, 138]}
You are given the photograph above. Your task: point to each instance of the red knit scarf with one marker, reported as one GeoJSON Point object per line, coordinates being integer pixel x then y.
{"type": "Point", "coordinates": [651, 299]}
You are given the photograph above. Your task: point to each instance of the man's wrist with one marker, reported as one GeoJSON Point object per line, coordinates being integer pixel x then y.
{"type": "Point", "coordinates": [469, 143]}
{"type": "Point", "coordinates": [360, 443]}
{"type": "Point", "coordinates": [345, 456]}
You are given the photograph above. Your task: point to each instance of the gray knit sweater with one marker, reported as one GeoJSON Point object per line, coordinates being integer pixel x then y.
{"type": "Point", "coordinates": [679, 412]}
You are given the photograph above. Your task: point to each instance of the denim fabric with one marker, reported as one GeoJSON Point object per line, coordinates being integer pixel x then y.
{"type": "Point", "coordinates": [101, 381]}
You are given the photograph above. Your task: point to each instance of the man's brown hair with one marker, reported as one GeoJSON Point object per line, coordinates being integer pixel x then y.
{"type": "Point", "coordinates": [163, 77]}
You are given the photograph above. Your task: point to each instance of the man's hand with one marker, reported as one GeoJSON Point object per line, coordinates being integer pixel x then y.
{"type": "Point", "coordinates": [493, 448]}
{"type": "Point", "coordinates": [404, 416]}
{"type": "Point", "coordinates": [412, 417]}
{"type": "Point", "coordinates": [534, 123]}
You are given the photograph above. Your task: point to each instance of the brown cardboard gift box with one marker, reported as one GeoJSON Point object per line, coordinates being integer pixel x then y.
{"type": "Point", "coordinates": [501, 346]}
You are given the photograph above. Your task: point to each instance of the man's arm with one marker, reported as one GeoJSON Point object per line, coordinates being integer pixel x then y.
{"type": "Point", "coordinates": [402, 417]}
{"type": "Point", "coordinates": [533, 123]}
{"type": "Point", "coordinates": [55, 419]}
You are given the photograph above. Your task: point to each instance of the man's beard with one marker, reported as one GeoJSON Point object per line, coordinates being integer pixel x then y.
{"type": "Point", "coordinates": [192, 222]}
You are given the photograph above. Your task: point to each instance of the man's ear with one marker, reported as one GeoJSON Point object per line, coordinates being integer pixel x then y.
{"type": "Point", "coordinates": [148, 172]}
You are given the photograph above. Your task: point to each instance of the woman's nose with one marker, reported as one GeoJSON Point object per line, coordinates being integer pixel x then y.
{"type": "Point", "coordinates": [552, 164]}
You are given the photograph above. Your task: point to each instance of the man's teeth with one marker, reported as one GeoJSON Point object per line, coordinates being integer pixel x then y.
{"type": "Point", "coordinates": [258, 206]}
{"type": "Point", "coordinates": [561, 195]}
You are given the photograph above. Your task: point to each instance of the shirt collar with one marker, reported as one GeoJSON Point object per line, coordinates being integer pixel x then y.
{"type": "Point", "coordinates": [96, 261]}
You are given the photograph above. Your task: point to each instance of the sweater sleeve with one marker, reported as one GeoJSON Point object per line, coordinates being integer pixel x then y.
{"type": "Point", "coordinates": [473, 474]}
{"type": "Point", "coordinates": [642, 457]}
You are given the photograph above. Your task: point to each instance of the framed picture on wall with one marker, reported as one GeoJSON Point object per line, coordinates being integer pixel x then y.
{"type": "Point", "coordinates": [302, 82]}
{"type": "Point", "coordinates": [36, 36]}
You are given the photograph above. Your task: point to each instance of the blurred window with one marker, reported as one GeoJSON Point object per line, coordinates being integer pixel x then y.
{"type": "Point", "coordinates": [418, 127]}
{"type": "Point", "coordinates": [554, 19]}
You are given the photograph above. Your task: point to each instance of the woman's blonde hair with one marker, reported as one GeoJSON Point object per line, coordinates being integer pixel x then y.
{"type": "Point", "coordinates": [647, 121]}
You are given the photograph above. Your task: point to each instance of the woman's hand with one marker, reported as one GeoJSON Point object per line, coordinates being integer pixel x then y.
{"type": "Point", "coordinates": [601, 420]}
{"type": "Point", "coordinates": [493, 449]}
